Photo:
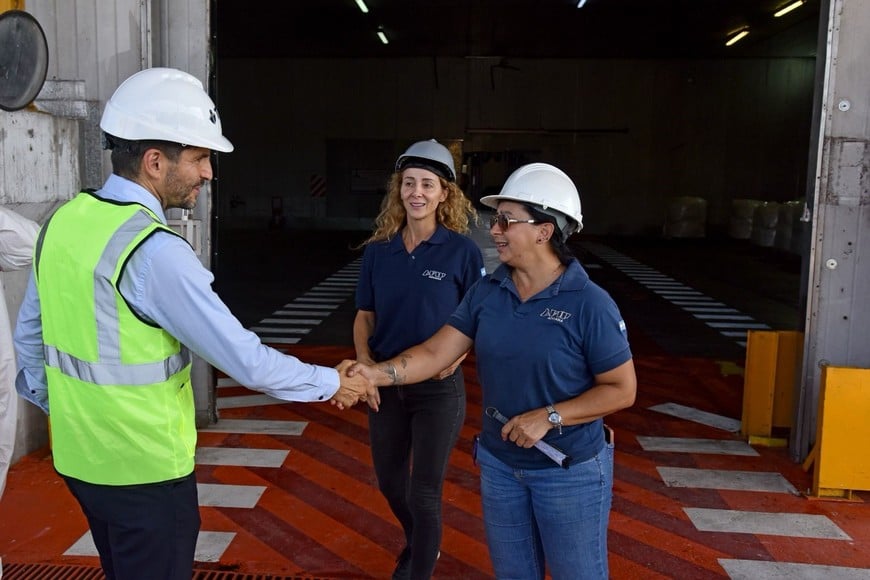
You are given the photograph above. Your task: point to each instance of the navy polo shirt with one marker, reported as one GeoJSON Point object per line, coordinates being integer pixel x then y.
{"type": "Point", "coordinates": [541, 352]}
{"type": "Point", "coordinates": [413, 294]}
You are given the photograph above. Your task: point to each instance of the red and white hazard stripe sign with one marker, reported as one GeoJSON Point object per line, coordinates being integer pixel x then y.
{"type": "Point", "coordinates": [317, 185]}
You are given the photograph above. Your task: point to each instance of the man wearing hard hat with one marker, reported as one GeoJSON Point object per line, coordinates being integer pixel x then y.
{"type": "Point", "coordinates": [115, 301]}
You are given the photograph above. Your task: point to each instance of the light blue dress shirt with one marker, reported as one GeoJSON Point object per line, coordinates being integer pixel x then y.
{"type": "Point", "coordinates": [165, 283]}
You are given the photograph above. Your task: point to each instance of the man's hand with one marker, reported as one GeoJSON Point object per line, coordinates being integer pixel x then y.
{"type": "Point", "coordinates": [353, 389]}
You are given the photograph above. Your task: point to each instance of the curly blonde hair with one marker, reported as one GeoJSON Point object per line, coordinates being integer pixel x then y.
{"type": "Point", "coordinates": [454, 213]}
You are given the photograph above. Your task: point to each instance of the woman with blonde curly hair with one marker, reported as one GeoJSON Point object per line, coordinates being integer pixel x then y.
{"type": "Point", "coordinates": [417, 266]}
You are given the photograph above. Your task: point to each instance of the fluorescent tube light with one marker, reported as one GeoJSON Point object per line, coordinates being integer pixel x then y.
{"type": "Point", "coordinates": [789, 8]}
{"type": "Point", "coordinates": [362, 6]}
{"type": "Point", "coordinates": [383, 37]}
{"type": "Point", "coordinates": [737, 37]}
{"type": "Point", "coordinates": [581, 3]}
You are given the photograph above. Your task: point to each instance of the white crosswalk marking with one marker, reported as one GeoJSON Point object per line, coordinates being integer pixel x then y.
{"type": "Point", "coordinates": [774, 524]}
{"type": "Point", "coordinates": [698, 416]}
{"type": "Point", "coordinates": [726, 479]}
{"type": "Point", "coordinates": [683, 445]}
{"type": "Point", "coordinates": [760, 570]}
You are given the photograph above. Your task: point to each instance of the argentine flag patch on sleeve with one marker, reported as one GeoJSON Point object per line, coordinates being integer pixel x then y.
{"type": "Point", "coordinates": [621, 326]}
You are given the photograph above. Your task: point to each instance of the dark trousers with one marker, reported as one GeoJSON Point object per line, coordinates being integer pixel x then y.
{"type": "Point", "coordinates": [142, 532]}
{"type": "Point", "coordinates": [412, 436]}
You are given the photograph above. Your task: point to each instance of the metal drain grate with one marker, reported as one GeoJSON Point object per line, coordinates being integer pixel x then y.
{"type": "Point", "coordinates": [61, 572]}
{"type": "Point", "coordinates": [50, 572]}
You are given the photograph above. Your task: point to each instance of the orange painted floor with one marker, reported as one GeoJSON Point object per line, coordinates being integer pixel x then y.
{"type": "Point", "coordinates": [322, 517]}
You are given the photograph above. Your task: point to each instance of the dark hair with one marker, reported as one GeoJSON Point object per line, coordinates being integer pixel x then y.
{"type": "Point", "coordinates": [127, 155]}
{"type": "Point", "coordinates": [557, 240]}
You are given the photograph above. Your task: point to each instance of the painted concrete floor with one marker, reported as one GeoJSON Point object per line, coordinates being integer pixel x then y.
{"type": "Point", "coordinates": [287, 490]}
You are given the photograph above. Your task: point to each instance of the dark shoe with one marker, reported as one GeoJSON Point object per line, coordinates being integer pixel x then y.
{"type": "Point", "coordinates": [403, 565]}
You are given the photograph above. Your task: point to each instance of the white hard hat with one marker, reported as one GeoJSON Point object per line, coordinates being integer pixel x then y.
{"type": "Point", "coordinates": [546, 187]}
{"type": "Point", "coordinates": [164, 104]}
{"type": "Point", "coordinates": [430, 155]}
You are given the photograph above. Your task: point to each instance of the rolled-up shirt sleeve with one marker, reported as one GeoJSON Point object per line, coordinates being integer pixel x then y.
{"type": "Point", "coordinates": [165, 283]}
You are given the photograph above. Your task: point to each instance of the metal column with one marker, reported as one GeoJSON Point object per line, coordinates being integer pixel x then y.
{"type": "Point", "coordinates": [838, 316]}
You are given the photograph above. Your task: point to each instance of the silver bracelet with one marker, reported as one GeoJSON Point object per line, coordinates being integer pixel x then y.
{"type": "Point", "coordinates": [391, 372]}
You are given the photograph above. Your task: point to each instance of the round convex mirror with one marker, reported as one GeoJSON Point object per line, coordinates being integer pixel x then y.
{"type": "Point", "coordinates": [23, 59]}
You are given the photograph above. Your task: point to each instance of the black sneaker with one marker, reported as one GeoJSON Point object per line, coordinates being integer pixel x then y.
{"type": "Point", "coordinates": [403, 565]}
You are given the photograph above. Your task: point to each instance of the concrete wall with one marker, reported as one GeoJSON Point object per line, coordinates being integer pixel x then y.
{"type": "Point", "coordinates": [39, 157]}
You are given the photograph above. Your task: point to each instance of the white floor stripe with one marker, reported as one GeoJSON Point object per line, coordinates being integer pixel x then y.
{"type": "Point", "coordinates": [232, 496]}
{"type": "Point", "coordinates": [758, 326]}
{"type": "Point", "coordinates": [587, 266]}
{"type": "Point", "coordinates": [709, 316]}
{"type": "Point", "coordinates": [279, 331]}
{"type": "Point", "coordinates": [760, 570]}
{"type": "Point", "coordinates": [742, 343]}
{"type": "Point", "coordinates": [696, 301]}
{"type": "Point", "coordinates": [698, 416]}
{"type": "Point", "coordinates": [317, 291]}
{"type": "Point", "coordinates": [765, 523]}
{"type": "Point", "coordinates": [241, 456]}
{"type": "Point", "coordinates": [686, 445]}
{"type": "Point", "coordinates": [680, 294]}
{"type": "Point", "coordinates": [303, 311]}
{"type": "Point", "coordinates": [296, 306]}
{"type": "Point", "coordinates": [710, 309]}
{"type": "Point", "coordinates": [264, 427]}
{"type": "Point", "coordinates": [210, 546]}
{"type": "Point", "coordinates": [766, 481]}
{"type": "Point", "coordinates": [279, 339]}
{"type": "Point", "coordinates": [247, 401]}
{"type": "Point", "coordinates": [320, 300]}
{"type": "Point", "coordinates": [311, 321]}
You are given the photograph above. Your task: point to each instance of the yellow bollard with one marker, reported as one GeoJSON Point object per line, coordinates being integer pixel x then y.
{"type": "Point", "coordinates": [842, 434]}
{"type": "Point", "coordinates": [772, 359]}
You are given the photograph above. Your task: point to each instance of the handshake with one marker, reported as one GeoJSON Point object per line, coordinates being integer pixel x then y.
{"type": "Point", "coordinates": [354, 386]}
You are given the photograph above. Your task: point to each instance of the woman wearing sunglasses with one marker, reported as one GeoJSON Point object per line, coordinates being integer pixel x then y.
{"type": "Point", "coordinates": [553, 359]}
{"type": "Point", "coordinates": [416, 268]}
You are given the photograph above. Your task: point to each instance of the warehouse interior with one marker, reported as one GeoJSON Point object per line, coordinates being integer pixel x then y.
{"type": "Point", "coordinates": [640, 101]}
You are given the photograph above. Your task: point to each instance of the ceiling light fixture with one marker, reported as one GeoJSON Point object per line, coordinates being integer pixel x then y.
{"type": "Point", "coordinates": [581, 3]}
{"type": "Point", "coordinates": [789, 8]}
{"type": "Point", "coordinates": [383, 37]}
{"type": "Point", "coordinates": [737, 36]}
{"type": "Point", "coordinates": [362, 6]}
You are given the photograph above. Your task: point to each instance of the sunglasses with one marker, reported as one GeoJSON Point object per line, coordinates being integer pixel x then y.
{"type": "Point", "coordinates": [504, 222]}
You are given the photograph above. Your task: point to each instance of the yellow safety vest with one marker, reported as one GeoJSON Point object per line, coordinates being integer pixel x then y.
{"type": "Point", "coordinates": [119, 391]}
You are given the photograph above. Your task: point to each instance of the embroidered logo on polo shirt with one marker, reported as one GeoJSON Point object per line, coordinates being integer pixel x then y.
{"type": "Point", "coordinates": [434, 274]}
{"type": "Point", "coordinates": [555, 315]}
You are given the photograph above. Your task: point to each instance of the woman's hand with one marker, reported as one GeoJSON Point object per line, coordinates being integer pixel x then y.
{"type": "Point", "coordinates": [527, 428]}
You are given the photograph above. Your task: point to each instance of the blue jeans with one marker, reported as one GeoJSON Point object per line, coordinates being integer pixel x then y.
{"type": "Point", "coordinates": [412, 437]}
{"type": "Point", "coordinates": [555, 517]}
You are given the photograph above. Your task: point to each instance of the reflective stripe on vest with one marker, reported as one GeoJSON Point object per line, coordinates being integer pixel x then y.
{"type": "Point", "coordinates": [109, 370]}
{"type": "Point", "coordinates": [116, 373]}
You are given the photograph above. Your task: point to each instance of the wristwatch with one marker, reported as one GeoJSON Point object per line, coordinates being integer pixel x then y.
{"type": "Point", "coordinates": [554, 418]}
